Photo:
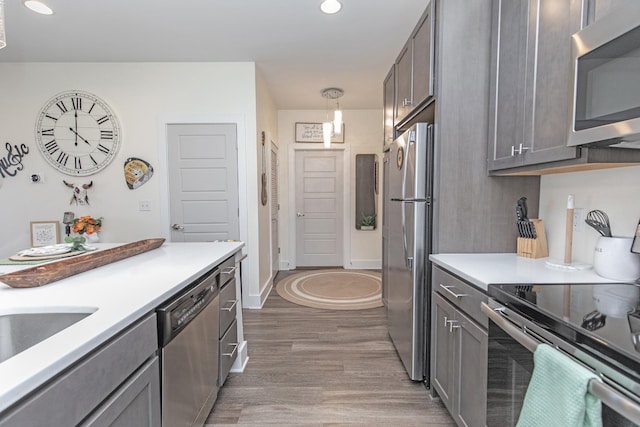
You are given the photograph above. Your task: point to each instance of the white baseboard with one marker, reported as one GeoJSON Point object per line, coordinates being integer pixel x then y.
{"type": "Point", "coordinates": [257, 301]}
{"type": "Point", "coordinates": [242, 359]}
{"type": "Point", "coordinates": [365, 264]}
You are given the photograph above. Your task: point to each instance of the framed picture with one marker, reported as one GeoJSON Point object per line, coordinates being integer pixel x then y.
{"type": "Point", "coordinates": [44, 233]}
{"type": "Point", "coordinates": [312, 132]}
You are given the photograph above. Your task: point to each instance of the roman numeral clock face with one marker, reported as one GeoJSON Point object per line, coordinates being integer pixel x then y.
{"type": "Point", "coordinates": [77, 133]}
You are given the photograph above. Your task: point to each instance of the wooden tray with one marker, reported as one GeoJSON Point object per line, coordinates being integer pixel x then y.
{"type": "Point", "coordinates": [50, 272]}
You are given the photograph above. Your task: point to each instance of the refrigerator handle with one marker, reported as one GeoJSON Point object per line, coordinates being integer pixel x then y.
{"type": "Point", "coordinates": [404, 235]}
{"type": "Point", "coordinates": [407, 161]}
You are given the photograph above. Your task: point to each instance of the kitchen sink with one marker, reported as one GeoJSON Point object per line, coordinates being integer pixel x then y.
{"type": "Point", "coordinates": [20, 331]}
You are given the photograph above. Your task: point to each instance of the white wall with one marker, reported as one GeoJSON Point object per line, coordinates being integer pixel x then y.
{"type": "Point", "coordinates": [267, 122]}
{"type": "Point", "coordinates": [141, 95]}
{"type": "Point", "coordinates": [615, 191]}
{"type": "Point", "coordinates": [363, 135]}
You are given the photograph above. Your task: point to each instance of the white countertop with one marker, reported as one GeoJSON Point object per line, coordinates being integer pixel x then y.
{"type": "Point", "coordinates": [484, 269]}
{"type": "Point", "coordinates": [121, 293]}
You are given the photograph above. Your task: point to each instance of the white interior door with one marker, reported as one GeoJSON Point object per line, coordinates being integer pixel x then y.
{"type": "Point", "coordinates": [203, 182]}
{"type": "Point", "coordinates": [319, 208]}
{"type": "Point", "coordinates": [275, 207]}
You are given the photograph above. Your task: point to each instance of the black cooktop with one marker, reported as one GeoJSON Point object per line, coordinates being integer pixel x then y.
{"type": "Point", "coordinates": [602, 319]}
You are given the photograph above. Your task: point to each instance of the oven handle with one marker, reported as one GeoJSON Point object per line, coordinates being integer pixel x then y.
{"type": "Point", "coordinates": [607, 394]}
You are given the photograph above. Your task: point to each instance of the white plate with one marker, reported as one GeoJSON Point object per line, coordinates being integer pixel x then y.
{"type": "Point", "coordinates": [62, 248]}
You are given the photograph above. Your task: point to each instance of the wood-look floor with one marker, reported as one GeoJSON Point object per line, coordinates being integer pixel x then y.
{"type": "Point", "coordinates": [313, 367]}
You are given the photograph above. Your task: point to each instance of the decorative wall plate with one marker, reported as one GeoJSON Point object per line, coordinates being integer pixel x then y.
{"type": "Point", "coordinates": [137, 172]}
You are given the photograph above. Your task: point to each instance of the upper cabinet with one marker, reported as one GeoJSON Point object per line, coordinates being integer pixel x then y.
{"type": "Point", "coordinates": [389, 104]}
{"type": "Point", "coordinates": [531, 87]}
{"type": "Point", "coordinates": [414, 69]}
{"type": "Point", "coordinates": [531, 81]}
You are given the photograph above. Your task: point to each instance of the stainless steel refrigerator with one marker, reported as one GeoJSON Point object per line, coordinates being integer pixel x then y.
{"type": "Point", "coordinates": [406, 245]}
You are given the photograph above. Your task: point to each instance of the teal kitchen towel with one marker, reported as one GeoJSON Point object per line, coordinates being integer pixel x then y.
{"type": "Point", "coordinates": [558, 393]}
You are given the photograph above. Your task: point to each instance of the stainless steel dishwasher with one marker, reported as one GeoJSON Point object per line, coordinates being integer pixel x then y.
{"type": "Point", "coordinates": [188, 332]}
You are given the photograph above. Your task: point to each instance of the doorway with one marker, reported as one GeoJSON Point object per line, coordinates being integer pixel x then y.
{"type": "Point", "coordinates": [203, 182]}
{"type": "Point", "coordinates": [319, 208]}
{"type": "Point", "coordinates": [275, 208]}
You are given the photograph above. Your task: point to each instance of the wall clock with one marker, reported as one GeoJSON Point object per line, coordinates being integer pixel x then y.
{"type": "Point", "coordinates": [77, 133]}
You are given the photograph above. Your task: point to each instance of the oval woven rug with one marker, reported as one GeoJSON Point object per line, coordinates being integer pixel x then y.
{"type": "Point", "coordinates": [333, 289]}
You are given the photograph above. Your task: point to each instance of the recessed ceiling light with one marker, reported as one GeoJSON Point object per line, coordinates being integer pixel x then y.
{"type": "Point", "coordinates": [38, 6]}
{"type": "Point", "coordinates": [330, 6]}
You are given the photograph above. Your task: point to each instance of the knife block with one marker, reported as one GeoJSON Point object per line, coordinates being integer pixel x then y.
{"type": "Point", "coordinates": [534, 248]}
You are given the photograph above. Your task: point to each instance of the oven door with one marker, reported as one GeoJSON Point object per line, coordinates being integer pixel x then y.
{"type": "Point", "coordinates": [512, 340]}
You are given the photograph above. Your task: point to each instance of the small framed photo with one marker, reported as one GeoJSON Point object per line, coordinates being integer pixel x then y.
{"type": "Point", "coordinates": [312, 132]}
{"type": "Point", "coordinates": [45, 233]}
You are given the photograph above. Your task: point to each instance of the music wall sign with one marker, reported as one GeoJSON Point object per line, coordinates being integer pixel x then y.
{"type": "Point", "coordinates": [11, 160]}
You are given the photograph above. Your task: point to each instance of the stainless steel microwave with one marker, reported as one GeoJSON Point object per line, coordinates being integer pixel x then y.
{"type": "Point", "coordinates": [606, 84]}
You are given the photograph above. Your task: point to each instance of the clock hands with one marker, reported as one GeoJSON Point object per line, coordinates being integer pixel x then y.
{"type": "Point", "coordinates": [76, 131]}
{"type": "Point", "coordinates": [78, 136]}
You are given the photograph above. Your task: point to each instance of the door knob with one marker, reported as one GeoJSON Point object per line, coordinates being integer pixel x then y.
{"type": "Point", "coordinates": [299, 214]}
{"type": "Point", "coordinates": [177, 227]}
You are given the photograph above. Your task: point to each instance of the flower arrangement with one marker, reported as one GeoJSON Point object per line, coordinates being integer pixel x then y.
{"type": "Point", "coordinates": [87, 224]}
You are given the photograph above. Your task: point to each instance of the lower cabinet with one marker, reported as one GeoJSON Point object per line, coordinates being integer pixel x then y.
{"type": "Point", "coordinates": [135, 403]}
{"type": "Point", "coordinates": [118, 384]}
{"type": "Point", "coordinates": [228, 329]}
{"type": "Point", "coordinates": [459, 362]}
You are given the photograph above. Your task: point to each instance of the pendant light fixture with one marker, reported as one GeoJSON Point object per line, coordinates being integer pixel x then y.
{"type": "Point", "coordinates": [3, 40]}
{"type": "Point", "coordinates": [335, 126]}
{"type": "Point", "coordinates": [326, 134]}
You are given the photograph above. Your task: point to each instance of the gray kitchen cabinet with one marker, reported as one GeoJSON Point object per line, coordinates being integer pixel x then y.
{"type": "Point", "coordinates": [442, 347]}
{"type": "Point", "coordinates": [531, 81]}
{"type": "Point", "coordinates": [414, 69]}
{"type": "Point", "coordinates": [472, 212]}
{"type": "Point", "coordinates": [531, 87]}
{"type": "Point", "coordinates": [228, 326]}
{"type": "Point", "coordinates": [388, 105]}
{"type": "Point", "coordinates": [116, 384]}
{"type": "Point", "coordinates": [135, 403]}
{"type": "Point", "coordinates": [459, 349]}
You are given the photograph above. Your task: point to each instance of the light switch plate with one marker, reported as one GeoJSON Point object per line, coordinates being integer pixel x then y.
{"type": "Point", "coordinates": [144, 205]}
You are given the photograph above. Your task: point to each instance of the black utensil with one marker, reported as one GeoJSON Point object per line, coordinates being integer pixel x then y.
{"type": "Point", "coordinates": [599, 221]}
{"type": "Point", "coordinates": [526, 228]}
{"type": "Point", "coordinates": [520, 217]}
{"type": "Point", "coordinates": [522, 204]}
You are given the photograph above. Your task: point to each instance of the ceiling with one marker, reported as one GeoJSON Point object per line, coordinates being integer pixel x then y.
{"type": "Point", "coordinates": [298, 50]}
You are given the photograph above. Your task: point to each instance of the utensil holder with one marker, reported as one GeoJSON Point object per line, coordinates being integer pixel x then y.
{"type": "Point", "coordinates": [534, 248]}
{"type": "Point", "coordinates": [614, 260]}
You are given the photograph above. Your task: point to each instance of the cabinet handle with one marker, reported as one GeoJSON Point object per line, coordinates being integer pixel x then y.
{"type": "Point", "coordinates": [233, 304]}
{"type": "Point", "coordinates": [407, 102]}
{"type": "Point", "coordinates": [233, 352]}
{"type": "Point", "coordinates": [453, 324]}
{"type": "Point", "coordinates": [448, 289]}
{"type": "Point", "coordinates": [229, 270]}
{"type": "Point", "coordinates": [446, 321]}
{"type": "Point", "coordinates": [521, 149]}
